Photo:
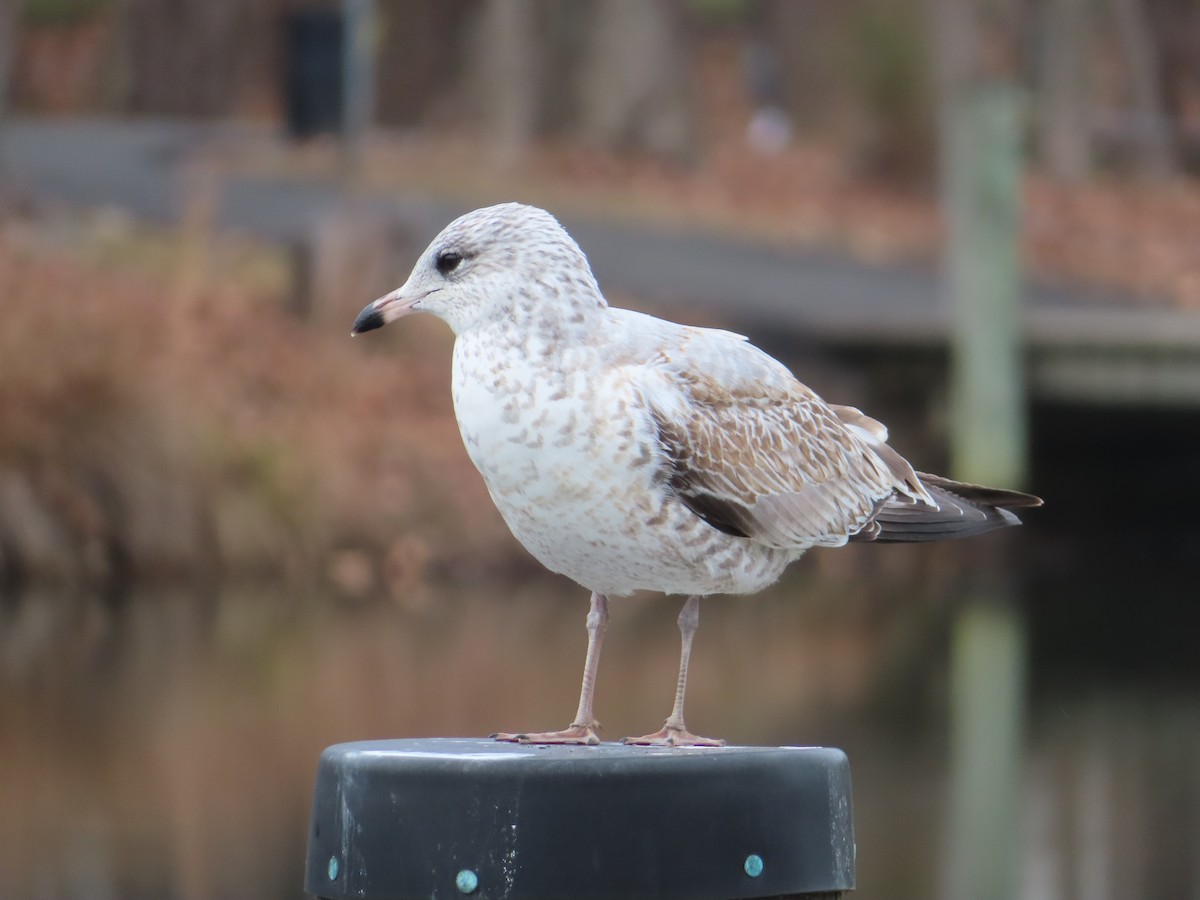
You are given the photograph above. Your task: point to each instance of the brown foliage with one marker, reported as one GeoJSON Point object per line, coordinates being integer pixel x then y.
{"type": "Point", "coordinates": [161, 422]}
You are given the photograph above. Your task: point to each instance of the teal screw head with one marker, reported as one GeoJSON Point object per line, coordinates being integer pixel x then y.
{"type": "Point", "coordinates": [753, 865]}
{"type": "Point", "coordinates": [333, 868]}
{"type": "Point", "coordinates": [466, 881]}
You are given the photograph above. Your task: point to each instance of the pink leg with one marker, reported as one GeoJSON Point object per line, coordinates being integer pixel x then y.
{"type": "Point", "coordinates": [674, 733]}
{"type": "Point", "coordinates": [583, 729]}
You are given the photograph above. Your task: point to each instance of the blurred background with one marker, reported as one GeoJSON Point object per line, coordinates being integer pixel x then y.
{"type": "Point", "coordinates": [230, 536]}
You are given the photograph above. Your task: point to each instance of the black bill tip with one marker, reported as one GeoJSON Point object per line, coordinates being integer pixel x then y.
{"type": "Point", "coordinates": [368, 320]}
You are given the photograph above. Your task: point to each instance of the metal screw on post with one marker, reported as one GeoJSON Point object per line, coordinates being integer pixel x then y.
{"type": "Point", "coordinates": [473, 818]}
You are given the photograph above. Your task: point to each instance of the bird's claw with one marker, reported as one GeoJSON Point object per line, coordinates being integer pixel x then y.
{"type": "Point", "coordinates": [575, 734]}
{"type": "Point", "coordinates": [672, 736]}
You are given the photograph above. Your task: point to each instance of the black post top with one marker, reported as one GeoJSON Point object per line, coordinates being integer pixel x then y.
{"type": "Point", "coordinates": [457, 818]}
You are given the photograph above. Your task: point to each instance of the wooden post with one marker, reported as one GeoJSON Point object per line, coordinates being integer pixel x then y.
{"type": "Point", "coordinates": [982, 192]}
{"type": "Point", "coordinates": [987, 676]}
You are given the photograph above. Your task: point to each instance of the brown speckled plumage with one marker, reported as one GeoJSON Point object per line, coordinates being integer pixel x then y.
{"type": "Point", "coordinates": [631, 453]}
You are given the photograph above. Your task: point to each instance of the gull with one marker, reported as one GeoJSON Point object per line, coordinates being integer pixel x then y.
{"type": "Point", "coordinates": [632, 453]}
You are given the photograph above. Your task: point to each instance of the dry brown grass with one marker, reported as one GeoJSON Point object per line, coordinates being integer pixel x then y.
{"type": "Point", "coordinates": [163, 417]}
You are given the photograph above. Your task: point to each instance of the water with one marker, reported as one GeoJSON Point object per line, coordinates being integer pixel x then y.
{"type": "Point", "coordinates": [165, 744]}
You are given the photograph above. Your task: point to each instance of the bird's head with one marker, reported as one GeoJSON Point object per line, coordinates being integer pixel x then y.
{"type": "Point", "coordinates": [502, 262]}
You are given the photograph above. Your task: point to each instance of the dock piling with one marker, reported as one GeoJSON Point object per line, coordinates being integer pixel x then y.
{"type": "Point", "coordinates": [444, 818]}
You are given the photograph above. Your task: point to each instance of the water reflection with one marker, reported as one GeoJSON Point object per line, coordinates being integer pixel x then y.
{"type": "Point", "coordinates": [165, 745]}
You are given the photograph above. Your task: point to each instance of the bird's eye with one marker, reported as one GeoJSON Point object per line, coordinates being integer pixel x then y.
{"type": "Point", "coordinates": [448, 260]}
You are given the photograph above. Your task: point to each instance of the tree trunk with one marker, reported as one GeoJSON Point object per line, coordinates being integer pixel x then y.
{"type": "Point", "coordinates": [199, 57]}
{"type": "Point", "coordinates": [1152, 130]}
{"type": "Point", "coordinates": [803, 38]}
{"type": "Point", "coordinates": [505, 75]}
{"type": "Point", "coordinates": [1063, 113]}
{"type": "Point", "coordinates": [418, 58]}
{"type": "Point", "coordinates": [635, 88]}
{"type": "Point", "coordinates": [8, 24]}
{"type": "Point", "coordinates": [1175, 25]}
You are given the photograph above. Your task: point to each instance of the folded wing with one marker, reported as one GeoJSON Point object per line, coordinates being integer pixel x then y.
{"type": "Point", "coordinates": [756, 454]}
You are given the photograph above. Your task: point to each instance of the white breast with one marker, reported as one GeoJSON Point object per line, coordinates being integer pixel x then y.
{"type": "Point", "coordinates": [573, 463]}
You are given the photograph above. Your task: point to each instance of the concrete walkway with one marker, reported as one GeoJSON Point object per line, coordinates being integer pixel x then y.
{"type": "Point", "coordinates": [139, 165]}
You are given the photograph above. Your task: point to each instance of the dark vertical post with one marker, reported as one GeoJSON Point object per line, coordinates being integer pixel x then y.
{"type": "Point", "coordinates": [475, 818]}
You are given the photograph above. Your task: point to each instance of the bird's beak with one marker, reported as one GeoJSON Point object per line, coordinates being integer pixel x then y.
{"type": "Point", "coordinates": [386, 309]}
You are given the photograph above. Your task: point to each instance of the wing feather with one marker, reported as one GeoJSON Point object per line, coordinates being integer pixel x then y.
{"type": "Point", "coordinates": [756, 454]}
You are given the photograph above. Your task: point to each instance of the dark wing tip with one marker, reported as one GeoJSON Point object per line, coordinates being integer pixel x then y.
{"type": "Point", "coordinates": [962, 510]}
{"type": "Point", "coordinates": [1000, 497]}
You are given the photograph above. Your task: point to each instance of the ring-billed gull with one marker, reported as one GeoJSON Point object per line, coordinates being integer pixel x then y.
{"type": "Point", "coordinates": [632, 453]}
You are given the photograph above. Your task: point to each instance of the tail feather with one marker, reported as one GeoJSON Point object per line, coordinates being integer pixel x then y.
{"type": "Point", "coordinates": [962, 510]}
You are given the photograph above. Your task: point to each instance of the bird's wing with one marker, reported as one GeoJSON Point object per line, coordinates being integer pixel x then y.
{"type": "Point", "coordinates": [755, 453]}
